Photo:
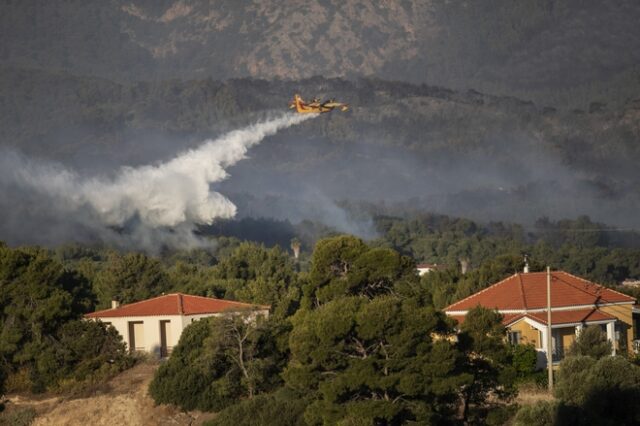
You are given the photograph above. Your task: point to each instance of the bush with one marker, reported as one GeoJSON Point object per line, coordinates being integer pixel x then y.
{"type": "Point", "coordinates": [263, 410]}
{"type": "Point", "coordinates": [501, 415]}
{"type": "Point", "coordinates": [591, 342]}
{"type": "Point", "coordinates": [602, 391]}
{"type": "Point", "coordinates": [208, 371]}
{"type": "Point", "coordinates": [524, 358]}
{"type": "Point", "coordinates": [89, 348]}
{"type": "Point", "coordinates": [83, 353]}
{"type": "Point", "coordinates": [182, 380]}
{"type": "Point", "coordinates": [542, 413]}
{"type": "Point", "coordinates": [18, 381]}
{"type": "Point", "coordinates": [18, 417]}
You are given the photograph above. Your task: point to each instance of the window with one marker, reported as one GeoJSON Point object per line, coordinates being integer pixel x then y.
{"type": "Point", "coordinates": [515, 337]}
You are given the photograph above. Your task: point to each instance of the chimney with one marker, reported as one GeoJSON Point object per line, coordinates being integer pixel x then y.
{"type": "Point", "coordinates": [115, 304]}
{"type": "Point", "coordinates": [295, 246]}
{"type": "Point", "coordinates": [464, 265]}
{"type": "Point", "coordinates": [526, 264]}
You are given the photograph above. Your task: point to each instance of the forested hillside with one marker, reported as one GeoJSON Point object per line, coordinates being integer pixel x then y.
{"type": "Point", "coordinates": [147, 147]}
{"type": "Point", "coordinates": [359, 302]}
{"type": "Point", "coordinates": [555, 52]}
{"type": "Point", "coordinates": [463, 153]}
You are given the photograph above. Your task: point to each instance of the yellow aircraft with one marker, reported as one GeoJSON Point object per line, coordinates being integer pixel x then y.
{"type": "Point", "coordinates": [316, 106]}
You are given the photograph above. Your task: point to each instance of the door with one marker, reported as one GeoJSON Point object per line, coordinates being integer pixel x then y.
{"type": "Point", "coordinates": [165, 338]}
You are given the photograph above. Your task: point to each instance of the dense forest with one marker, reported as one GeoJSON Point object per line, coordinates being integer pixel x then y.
{"type": "Point", "coordinates": [351, 330]}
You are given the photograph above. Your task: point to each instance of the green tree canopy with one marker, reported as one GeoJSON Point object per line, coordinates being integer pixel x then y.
{"type": "Point", "coordinates": [600, 391]}
{"type": "Point", "coordinates": [345, 265]}
{"type": "Point", "coordinates": [253, 273]}
{"type": "Point", "coordinates": [374, 361]}
{"type": "Point", "coordinates": [129, 278]}
{"type": "Point", "coordinates": [40, 332]}
{"type": "Point", "coordinates": [217, 361]}
{"type": "Point", "coordinates": [488, 361]}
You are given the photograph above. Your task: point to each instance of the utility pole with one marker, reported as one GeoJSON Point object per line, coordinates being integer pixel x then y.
{"type": "Point", "coordinates": [549, 337]}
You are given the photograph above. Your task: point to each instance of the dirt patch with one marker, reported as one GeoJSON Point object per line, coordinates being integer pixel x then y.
{"type": "Point", "coordinates": [125, 403]}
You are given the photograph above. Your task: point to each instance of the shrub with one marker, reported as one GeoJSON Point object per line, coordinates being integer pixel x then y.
{"type": "Point", "coordinates": [602, 391]}
{"type": "Point", "coordinates": [500, 415]}
{"type": "Point", "coordinates": [182, 380]}
{"type": "Point", "coordinates": [263, 410]}
{"type": "Point", "coordinates": [542, 413]}
{"type": "Point", "coordinates": [217, 362]}
{"type": "Point", "coordinates": [81, 351]}
{"type": "Point", "coordinates": [524, 360]}
{"type": "Point", "coordinates": [18, 417]}
{"type": "Point", "coordinates": [591, 342]}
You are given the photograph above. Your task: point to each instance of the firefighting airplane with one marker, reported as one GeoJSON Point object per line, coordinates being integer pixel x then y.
{"type": "Point", "coordinates": [316, 106]}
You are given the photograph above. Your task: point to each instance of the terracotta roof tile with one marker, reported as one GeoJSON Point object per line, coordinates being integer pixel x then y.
{"type": "Point", "coordinates": [557, 317]}
{"type": "Point", "coordinates": [565, 317]}
{"type": "Point", "coordinates": [174, 304]}
{"type": "Point", "coordinates": [570, 317]}
{"type": "Point", "coordinates": [529, 291]}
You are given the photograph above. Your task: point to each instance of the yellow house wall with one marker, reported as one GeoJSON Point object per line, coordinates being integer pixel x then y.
{"type": "Point", "coordinates": [625, 315]}
{"type": "Point", "coordinates": [568, 335]}
{"type": "Point", "coordinates": [528, 333]}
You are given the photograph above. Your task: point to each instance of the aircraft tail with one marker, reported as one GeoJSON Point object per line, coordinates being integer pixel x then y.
{"type": "Point", "coordinates": [299, 103]}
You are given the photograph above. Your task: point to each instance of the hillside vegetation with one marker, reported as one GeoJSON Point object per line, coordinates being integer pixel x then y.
{"type": "Point", "coordinates": [462, 153]}
{"type": "Point", "coordinates": [557, 52]}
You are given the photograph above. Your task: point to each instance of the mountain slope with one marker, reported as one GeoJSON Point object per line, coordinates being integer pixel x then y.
{"type": "Point", "coordinates": [553, 52]}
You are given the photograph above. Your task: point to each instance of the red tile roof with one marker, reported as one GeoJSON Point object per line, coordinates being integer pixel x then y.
{"type": "Point", "coordinates": [570, 317]}
{"type": "Point", "coordinates": [557, 317]}
{"type": "Point", "coordinates": [174, 304]}
{"type": "Point", "coordinates": [529, 291]}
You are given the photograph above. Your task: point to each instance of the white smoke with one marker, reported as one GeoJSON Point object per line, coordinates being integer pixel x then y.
{"type": "Point", "coordinates": [173, 195]}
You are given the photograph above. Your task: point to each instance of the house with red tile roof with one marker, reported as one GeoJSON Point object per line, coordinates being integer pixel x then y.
{"type": "Point", "coordinates": [155, 325]}
{"type": "Point", "coordinates": [575, 303]}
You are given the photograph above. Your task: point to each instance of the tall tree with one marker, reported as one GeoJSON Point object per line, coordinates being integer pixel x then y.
{"type": "Point", "coordinates": [345, 265]}
{"type": "Point", "coordinates": [374, 361]}
{"type": "Point", "coordinates": [39, 298]}
{"type": "Point", "coordinates": [256, 274]}
{"type": "Point", "coordinates": [217, 362]}
{"type": "Point", "coordinates": [488, 361]}
{"type": "Point", "coordinates": [129, 278]}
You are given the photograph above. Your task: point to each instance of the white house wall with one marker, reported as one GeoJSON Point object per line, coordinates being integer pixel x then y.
{"type": "Point", "coordinates": [151, 325]}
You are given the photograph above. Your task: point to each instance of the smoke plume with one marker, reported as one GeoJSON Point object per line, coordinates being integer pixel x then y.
{"type": "Point", "coordinates": [147, 205]}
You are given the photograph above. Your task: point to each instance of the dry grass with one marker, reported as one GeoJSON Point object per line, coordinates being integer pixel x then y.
{"type": "Point", "coordinates": [530, 393]}
{"type": "Point", "coordinates": [124, 401]}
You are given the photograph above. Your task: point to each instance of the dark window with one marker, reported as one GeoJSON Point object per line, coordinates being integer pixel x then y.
{"type": "Point", "coordinates": [515, 337]}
